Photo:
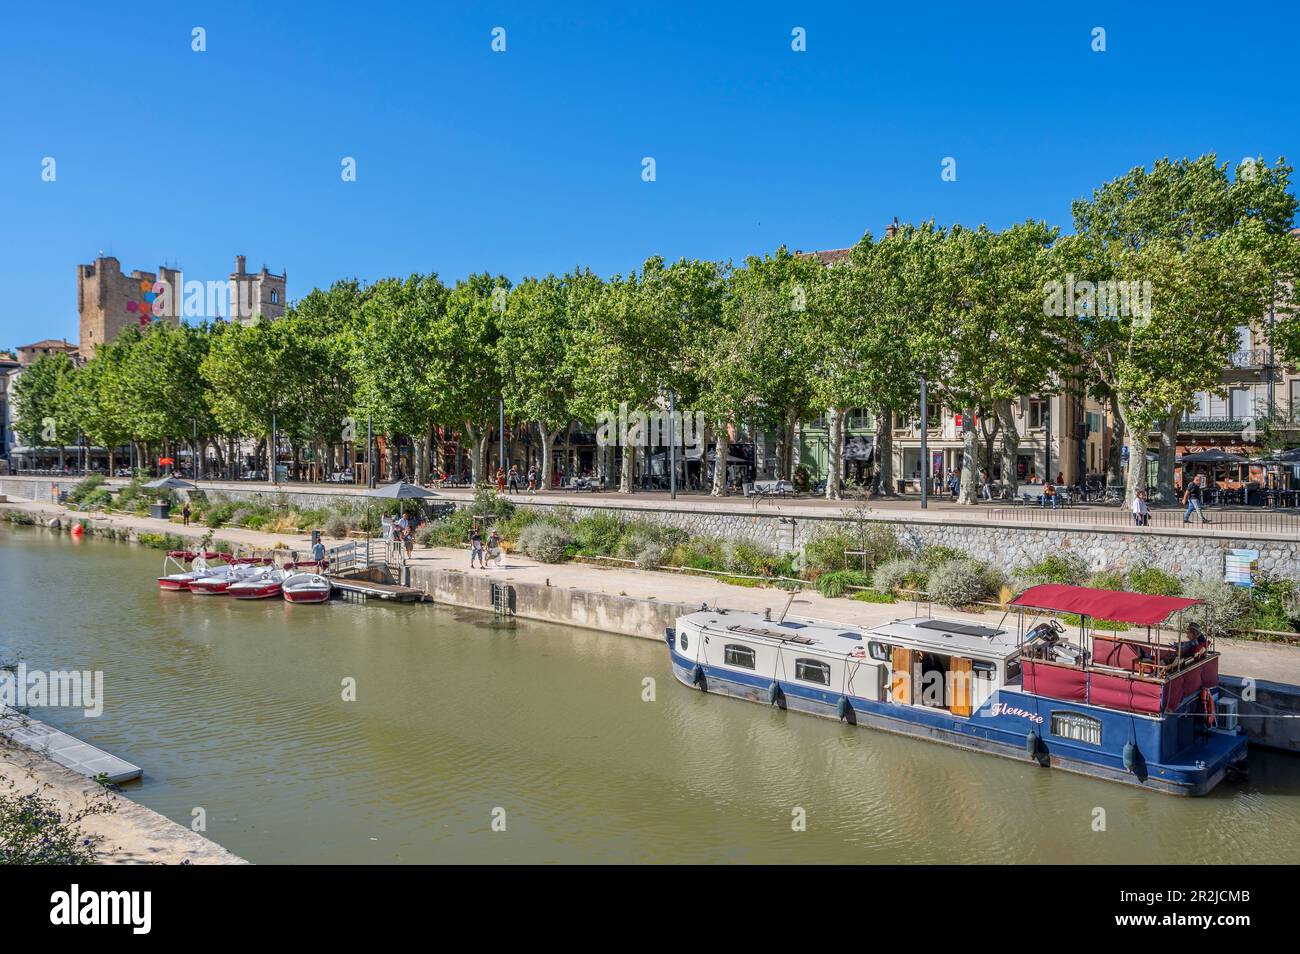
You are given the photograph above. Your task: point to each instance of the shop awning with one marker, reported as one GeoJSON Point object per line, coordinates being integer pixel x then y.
{"type": "Point", "coordinates": [1137, 608]}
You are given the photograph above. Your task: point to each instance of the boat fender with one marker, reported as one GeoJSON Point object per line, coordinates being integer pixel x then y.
{"type": "Point", "coordinates": [1130, 756]}
{"type": "Point", "coordinates": [774, 693]}
{"type": "Point", "coordinates": [842, 710]}
{"type": "Point", "coordinates": [697, 676]}
{"type": "Point", "coordinates": [1031, 744]}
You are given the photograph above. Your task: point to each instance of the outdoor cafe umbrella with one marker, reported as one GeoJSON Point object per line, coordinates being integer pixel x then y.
{"type": "Point", "coordinates": [170, 483]}
{"type": "Point", "coordinates": [1212, 457]}
{"type": "Point", "coordinates": [401, 491]}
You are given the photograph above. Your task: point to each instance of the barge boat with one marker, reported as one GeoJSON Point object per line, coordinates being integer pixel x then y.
{"type": "Point", "coordinates": [1141, 707]}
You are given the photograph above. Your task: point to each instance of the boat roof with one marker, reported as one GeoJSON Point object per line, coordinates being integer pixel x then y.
{"type": "Point", "coordinates": [949, 636]}
{"type": "Point", "coordinates": [1137, 608]}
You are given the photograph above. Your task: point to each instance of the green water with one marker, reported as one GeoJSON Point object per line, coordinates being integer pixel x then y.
{"type": "Point", "coordinates": [235, 707]}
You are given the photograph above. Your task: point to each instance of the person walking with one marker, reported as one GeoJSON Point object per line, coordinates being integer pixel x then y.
{"type": "Point", "coordinates": [1141, 513]}
{"type": "Point", "coordinates": [501, 481]}
{"type": "Point", "coordinates": [986, 484]}
{"type": "Point", "coordinates": [494, 550]}
{"type": "Point", "coordinates": [512, 482]}
{"type": "Point", "coordinates": [1192, 498]}
{"type": "Point", "coordinates": [476, 549]}
{"type": "Point", "coordinates": [185, 514]}
{"type": "Point", "coordinates": [532, 479]}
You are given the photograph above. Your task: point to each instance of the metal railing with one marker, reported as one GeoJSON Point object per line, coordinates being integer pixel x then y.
{"type": "Point", "coordinates": [1284, 522]}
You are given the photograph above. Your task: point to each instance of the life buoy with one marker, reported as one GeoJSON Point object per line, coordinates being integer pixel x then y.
{"type": "Point", "coordinates": [1207, 707]}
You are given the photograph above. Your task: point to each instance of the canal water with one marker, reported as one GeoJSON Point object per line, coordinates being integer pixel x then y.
{"type": "Point", "coordinates": [236, 708]}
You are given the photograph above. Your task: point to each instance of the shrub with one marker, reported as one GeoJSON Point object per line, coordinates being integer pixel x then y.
{"type": "Point", "coordinates": [837, 582]}
{"type": "Point", "coordinates": [599, 533]}
{"type": "Point", "coordinates": [825, 553]}
{"type": "Point", "coordinates": [961, 582]}
{"type": "Point", "coordinates": [1154, 582]}
{"type": "Point", "coordinates": [1227, 608]}
{"type": "Point", "coordinates": [643, 548]}
{"type": "Point", "coordinates": [703, 553]}
{"type": "Point", "coordinates": [546, 541]}
{"type": "Point", "coordinates": [930, 557]}
{"type": "Point", "coordinates": [748, 559]}
{"type": "Point", "coordinates": [1108, 580]}
{"type": "Point", "coordinates": [219, 515]}
{"type": "Point", "coordinates": [35, 831]}
{"type": "Point", "coordinates": [1054, 568]}
{"type": "Point", "coordinates": [874, 596]}
{"type": "Point", "coordinates": [1276, 604]}
{"type": "Point", "coordinates": [898, 574]}
{"type": "Point", "coordinates": [83, 487]}
{"type": "Point", "coordinates": [97, 498]}
{"type": "Point", "coordinates": [338, 525]}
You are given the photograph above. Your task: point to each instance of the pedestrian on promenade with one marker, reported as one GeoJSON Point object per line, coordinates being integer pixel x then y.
{"type": "Point", "coordinates": [408, 542]}
{"type": "Point", "coordinates": [494, 550]}
{"type": "Point", "coordinates": [1141, 513]}
{"type": "Point", "coordinates": [513, 480]}
{"type": "Point", "coordinates": [1049, 494]}
{"type": "Point", "coordinates": [501, 481]}
{"type": "Point", "coordinates": [986, 484]}
{"type": "Point", "coordinates": [532, 479]}
{"type": "Point", "coordinates": [476, 549]}
{"type": "Point", "coordinates": [185, 514]}
{"type": "Point", "coordinates": [1192, 498]}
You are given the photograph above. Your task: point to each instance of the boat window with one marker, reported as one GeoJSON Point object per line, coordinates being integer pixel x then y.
{"type": "Point", "coordinates": [1072, 725]}
{"type": "Point", "coordinates": [742, 656]}
{"type": "Point", "coordinates": [980, 665]}
{"type": "Point", "coordinates": [851, 636]}
{"type": "Point", "coordinates": [812, 670]}
{"type": "Point", "coordinates": [681, 641]}
{"type": "Point", "coordinates": [879, 651]}
{"type": "Point", "coordinates": [1013, 669]}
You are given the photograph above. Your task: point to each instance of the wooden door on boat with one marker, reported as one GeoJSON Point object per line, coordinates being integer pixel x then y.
{"type": "Point", "coordinates": [900, 682]}
{"type": "Point", "coordinates": [959, 676]}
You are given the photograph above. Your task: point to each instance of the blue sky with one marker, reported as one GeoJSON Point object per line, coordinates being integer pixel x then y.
{"type": "Point", "coordinates": [529, 161]}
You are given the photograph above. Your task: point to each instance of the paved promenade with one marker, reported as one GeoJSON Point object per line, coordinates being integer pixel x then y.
{"type": "Point", "coordinates": [1271, 661]}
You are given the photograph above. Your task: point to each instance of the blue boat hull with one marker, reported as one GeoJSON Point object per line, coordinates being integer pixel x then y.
{"type": "Point", "coordinates": [1003, 725]}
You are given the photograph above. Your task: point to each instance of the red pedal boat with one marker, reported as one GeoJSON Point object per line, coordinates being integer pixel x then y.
{"type": "Point", "coordinates": [306, 588]}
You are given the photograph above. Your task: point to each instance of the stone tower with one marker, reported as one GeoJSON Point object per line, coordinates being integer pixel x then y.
{"type": "Point", "coordinates": [108, 301]}
{"type": "Point", "coordinates": [253, 295]}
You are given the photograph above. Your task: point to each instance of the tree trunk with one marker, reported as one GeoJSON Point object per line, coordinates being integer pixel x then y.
{"type": "Point", "coordinates": [1115, 457]}
{"type": "Point", "coordinates": [834, 453]}
{"type": "Point", "coordinates": [884, 451]}
{"type": "Point", "coordinates": [785, 450]}
{"type": "Point", "coordinates": [1168, 454]}
{"type": "Point", "coordinates": [548, 441]}
{"type": "Point", "coordinates": [1136, 441]}
{"type": "Point", "coordinates": [1010, 446]}
{"type": "Point", "coordinates": [968, 494]}
{"type": "Point", "coordinates": [721, 451]}
{"type": "Point", "coordinates": [627, 471]}
{"type": "Point", "coordinates": [475, 456]}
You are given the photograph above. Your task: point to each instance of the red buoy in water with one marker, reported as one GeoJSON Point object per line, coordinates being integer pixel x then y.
{"type": "Point", "coordinates": [78, 529]}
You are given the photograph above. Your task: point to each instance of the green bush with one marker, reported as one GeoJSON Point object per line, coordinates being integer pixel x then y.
{"type": "Point", "coordinates": [930, 557]}
{"type": "Point", "coordinates": [749, 559]}
{"type": "Point", "coordinates": [901, 573]}
{"type": "Point", "coordinates": [35, 830]}
{"type": "Point", "coordinates": [1054, 568]}
{"type": "Point", "coordinates": [97, 499]}
{"type": "Point", "coordinates": [1227, 608]}
{"type": "Point", "coordinates": [83, 487]}
{"type": "Point", "coordinates": [599, 533]}
{"type": "Point", "coordinates": [837, 582]}
{"type": "Point", "coordinates": [874, 596]}
{"type": "Point", "coordinates": [825, 553]}
{"type": "Point", "coordinates": [700, 553]}
{"type": "Point", "coordinates": [1276, 604]}
{"type": "Point", "coordinates": [1154, 582]}
{"type": "Point", "coordinates": [961, 582]}
{"type": "Point", "coordinates": [545, 541]}
{"type": "Point", "coordinates": [1108, 580]}
{"type": "Point", "coordinates": [337, 526]}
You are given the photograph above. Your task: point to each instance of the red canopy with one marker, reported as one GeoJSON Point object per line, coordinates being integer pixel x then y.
{"type": "Point", "coordinates": [1137, 608]}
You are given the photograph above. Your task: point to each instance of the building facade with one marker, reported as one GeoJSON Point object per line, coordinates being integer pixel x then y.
{"type": "Point", "coordinates": [108, 301]}
{"type": "Point", "coordinates": [254, 295]}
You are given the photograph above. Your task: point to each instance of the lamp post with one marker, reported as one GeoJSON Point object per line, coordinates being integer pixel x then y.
{"type": "Point", "coordinates": [925, 452]}
{"type": "Point", "coordinates": [672, 444]}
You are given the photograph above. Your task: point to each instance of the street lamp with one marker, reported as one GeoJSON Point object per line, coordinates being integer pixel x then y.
{"type": "Point", "coordinates": [925, 453]}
